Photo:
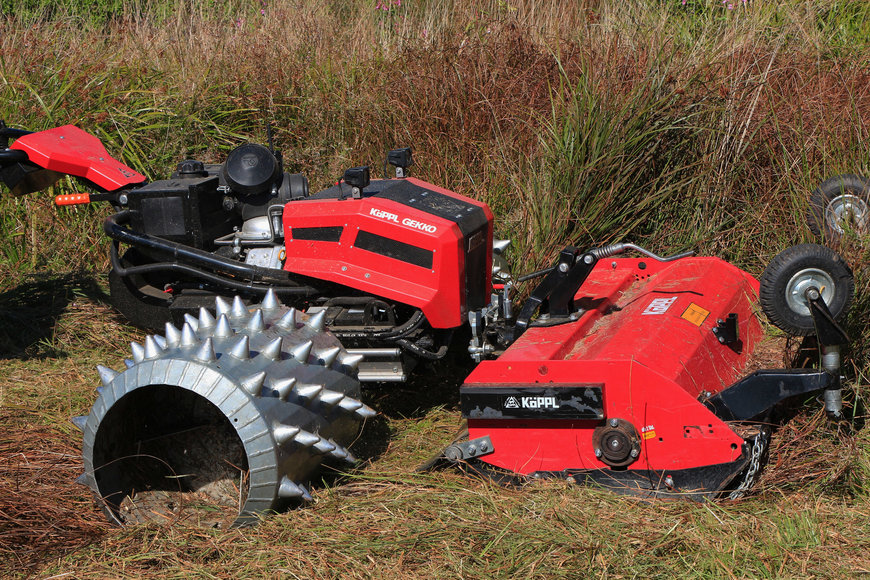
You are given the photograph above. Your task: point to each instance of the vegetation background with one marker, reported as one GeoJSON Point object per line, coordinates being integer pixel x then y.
{"type": "Point", "coordinates": [673, 124]}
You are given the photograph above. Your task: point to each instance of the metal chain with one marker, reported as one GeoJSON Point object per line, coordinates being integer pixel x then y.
{"type": "Point", "coordinates": [759, 445]}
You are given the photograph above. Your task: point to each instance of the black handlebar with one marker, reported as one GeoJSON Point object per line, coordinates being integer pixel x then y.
{"type": "Point", "coordinates": [10, 156]}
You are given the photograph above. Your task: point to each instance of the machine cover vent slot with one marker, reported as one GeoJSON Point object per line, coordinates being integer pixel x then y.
{"type": "Point", "coordinates": [394, 249]}
{"type": "Point", "coordinates": [324, 234]}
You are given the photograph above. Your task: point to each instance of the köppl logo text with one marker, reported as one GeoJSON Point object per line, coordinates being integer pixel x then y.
{"type": "Point", "coordinates": [531, 403]}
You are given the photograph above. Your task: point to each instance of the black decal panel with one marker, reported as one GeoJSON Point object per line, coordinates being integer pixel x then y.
{"type": "Point", "coordinates": [576, 401]}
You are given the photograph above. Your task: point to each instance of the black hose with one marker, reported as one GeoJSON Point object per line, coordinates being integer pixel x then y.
{"type": "Point", "coordinates": [394, 333]}
{"type": "Point", "coordinates": [209, 276]}
{"type": "Point", "coordinates": [179, 252]}
{"type": "Point", "coordinates": [115, 230]}
{"type": "Point", "coordinates": [9, 132]}
{"type": "Point", "coordinates": [422, 352]}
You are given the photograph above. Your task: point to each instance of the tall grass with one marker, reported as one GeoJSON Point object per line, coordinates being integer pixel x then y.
{"type": "Point", "coordinates": [612, 163]}
{"type": "Point", "coordinates": [679, 125]}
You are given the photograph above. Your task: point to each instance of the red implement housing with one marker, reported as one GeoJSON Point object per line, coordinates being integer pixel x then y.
{"type": "Point", "coordinates": [410, 241]}
{"type": "Point", "coordinates": [72, 151]}
{"type": "Point", "coordinates": [644, 352]}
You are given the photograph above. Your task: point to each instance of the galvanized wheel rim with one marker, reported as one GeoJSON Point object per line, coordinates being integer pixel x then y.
{"type": "Point", "coordinates": [803, 280]}
{"type": "Point", "coordinates": [847, 209]}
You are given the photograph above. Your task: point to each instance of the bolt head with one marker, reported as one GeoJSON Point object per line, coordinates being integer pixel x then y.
{"type": "Point", "coordinates": [598, 452]}
{"type": "Point", "coordinates": [635, 453]}
{"type": "Point", "coordinates": [614, 422]}
{"type": "Point", "coordinates": [563, 267]}
{"type": "Point", "coordinates": [452, 453]}
{"type": "Point", "coordinates": [472, 450]}
{"type": "Point", "coordinates": [669, 481]}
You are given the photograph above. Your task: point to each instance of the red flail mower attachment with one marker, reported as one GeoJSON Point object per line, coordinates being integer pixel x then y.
{"type": "Point", "coordinates": [648, 387]}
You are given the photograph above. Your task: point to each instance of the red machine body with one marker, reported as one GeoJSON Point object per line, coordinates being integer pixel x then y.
{"type": "Point", "coordinates": [405, 240]}
{"type": "Point", "coordinates": [644, 351]}
{"type": "Point", "coordinates": [72, 151]}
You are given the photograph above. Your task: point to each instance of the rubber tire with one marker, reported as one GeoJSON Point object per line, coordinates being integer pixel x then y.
{"type": "Point", "coordinates": [781, 271]}
{"type": "Point", "coordinates": [827, 193]}
{"type": "Point", "coordinates": [140, 298]}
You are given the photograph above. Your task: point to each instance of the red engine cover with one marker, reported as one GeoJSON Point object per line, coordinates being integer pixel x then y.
{"type": "Point", "coordinates": [405, 240]}
{"type": "Point", "coordinates": [72, 151]}
{"type": "Point", "coordinates": [647, 341]}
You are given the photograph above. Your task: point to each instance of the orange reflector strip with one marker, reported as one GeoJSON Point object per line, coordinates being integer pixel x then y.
{"type": "Point", "coordinates": [72, 199]}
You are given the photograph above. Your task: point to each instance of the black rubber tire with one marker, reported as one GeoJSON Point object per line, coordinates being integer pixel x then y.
{"type": "Point", "coordinates": [139, 298]}
{"type": "Point", "coordinates": [840, 203]}
{"type": "Point", "coordinates": [780, 295]}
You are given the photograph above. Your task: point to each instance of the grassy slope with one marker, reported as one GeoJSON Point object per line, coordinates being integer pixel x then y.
{"type": "Point", "coordinates": [667, 124]}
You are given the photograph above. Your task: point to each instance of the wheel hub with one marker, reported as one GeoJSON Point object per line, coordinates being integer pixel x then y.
{"type": "Point", "coordinates": [801, 282]}
{"type": "Point", "coordinates": [847, 209]}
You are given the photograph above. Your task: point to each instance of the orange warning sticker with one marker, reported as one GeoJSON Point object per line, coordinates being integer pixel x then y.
{"type": "Point", "coordinates": [695, 314]}
{"type": "Point", "coordinates": [649, 434]}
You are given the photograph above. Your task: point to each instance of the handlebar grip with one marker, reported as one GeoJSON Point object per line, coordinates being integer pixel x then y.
{"type": "Point", "coordinates": [73, 199]}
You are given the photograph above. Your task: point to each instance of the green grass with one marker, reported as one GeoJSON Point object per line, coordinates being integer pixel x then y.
{"type": "Point", "coordinates": [582, 122]}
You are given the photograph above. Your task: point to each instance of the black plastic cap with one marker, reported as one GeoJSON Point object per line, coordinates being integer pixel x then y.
{"type": "Point", "coordinates": [251, 169]}
{"type": "Point", "coordinates": [192, 167]}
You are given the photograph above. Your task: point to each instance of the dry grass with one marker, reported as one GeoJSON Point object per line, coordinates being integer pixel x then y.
{"type": "Point", "coordinates": [807, 517]}
{"type": "Point", "coordinates": [42, 514]}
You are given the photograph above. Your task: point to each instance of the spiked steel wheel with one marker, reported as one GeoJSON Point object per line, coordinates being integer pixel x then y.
{"type": "Point", "coordinates": [237, 410]}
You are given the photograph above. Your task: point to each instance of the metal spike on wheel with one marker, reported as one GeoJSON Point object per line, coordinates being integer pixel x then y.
{"type": "Point", "coordinates": [237, 408]}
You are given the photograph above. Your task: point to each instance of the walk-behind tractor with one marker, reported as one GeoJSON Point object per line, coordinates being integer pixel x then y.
{"type": "Point", "coordinates": [639, 374]}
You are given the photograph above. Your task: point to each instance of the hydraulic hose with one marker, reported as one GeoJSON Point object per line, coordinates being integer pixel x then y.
{"type": "Point", "coordinates": [279, 279]}
{"type": "Point", "coordinates": [612, 250]}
